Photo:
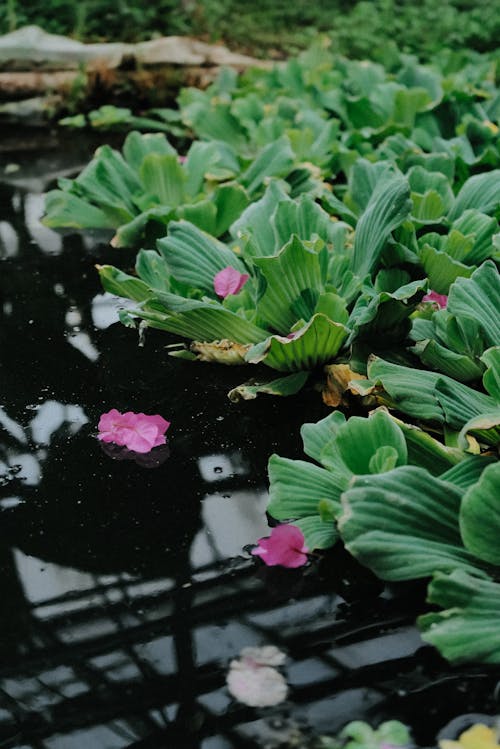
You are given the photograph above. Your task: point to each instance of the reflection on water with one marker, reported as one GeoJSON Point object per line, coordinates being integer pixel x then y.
{"type": "Point", "coordinates": [125, 588]}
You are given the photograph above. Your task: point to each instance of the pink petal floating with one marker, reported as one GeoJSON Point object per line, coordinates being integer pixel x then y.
{"type": "Point", "coordinates": [229, 281]}
{"type": "Point", "coordinates": [265, 655]}
{"type": "Point", "coordinates": [136, 431]}
{"type": "Point", "coordinates": [440, 299]}
{"type": "Point", "coordinates": [252, 679]}
{"type": "Point", "coordinates": [285, 546]}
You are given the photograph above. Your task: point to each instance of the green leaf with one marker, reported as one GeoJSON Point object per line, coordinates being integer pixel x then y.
{"type": "Point", "coordinates": [255, 225]}
{"type": "Point", "coordinates": [441, 269]}
{"type": "Point", "coordinates": [317, 533]}
{"type": "Point", "coordinates": [431, 194]}
{"type": "Point", "coordinates": [478, 298]}
{"type": "Point", "coordinates": [152, 269]}
{"type": "Point", "coordinates": [491, 378]}
{"type": "Point", "coordinates": [403, 524]}
{"type": "Point", "coordinates": [133, 232]}
{"type": "Point", "coordinates": [317, 342]}
{"type": "Point", "coordinates": [194, 257]}
{"type": "Point", "coordinates": [427, 452]}
{"type": "Point", "coordinates": [485, 427]}
{"type": "Point", "coordinates": [482, 191]}
{"type": "Point", "coordinates": [468, 471]}
{"type": "Point", "coordinates": [460, 403]}
{"type": "Point", "coordinates": [304, 218]}
{"type": "Point", "coordinates": [275, 160]}
{"type": "Point", "coordinates": [121, 284]}
{"type": "Point", "coordinates": [482, 229]}
{"type": "Point", "coordinates": [200, 321]}
{"type": "Point", "coordinates": [283, 386]}
{"type": "Point", "coordinates": [67, 211]}
{"type": "Point", "coordinates": [205, 159]}
{"type": "Point", "coordinates": [459, 366]}
{"type": "Point", "coordinates": [230, 201]}
{"type": "Point", "coordinates": [467, 630]}
{"type": "Point", "coordinates": [388, 207]}
{"type": "Point", "coordinates": [297, 487]}
{"type": "Point", "coordinates": [164, 178]}
{"type": "Point", "coordinates": [316, 435]}
{"type": "Point", "coordinates": [293, 283]}
{"type": "Point", "coordinates": [359, 441]}
{"type": "Point", "coordinates": [480, 515]}
{"type": "Point", "coordinates": [137, 146]}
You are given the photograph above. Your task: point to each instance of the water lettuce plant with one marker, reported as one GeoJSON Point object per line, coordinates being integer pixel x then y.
{"type": "Point", "coordinates": [137, 193]}
{"type": "Point", "coordinates": [313, 289]}
{"type": "Point", "coordinates": [360, 735]}
{"type": "Point", "coordinates": [407, 506]}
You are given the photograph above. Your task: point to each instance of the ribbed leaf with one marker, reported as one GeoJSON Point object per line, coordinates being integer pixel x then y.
{"type": "Point", "coordinates": [387, 209]}
{"type": "Point", "coordinates": [68, 211]}
{"type": "Point", "coordinates": [359, 439]}
{"type": "Point", "coordinates": [318, 534]}
{"type": "Point", "coordinates": [482, 191]}
{"type": "Point", "coordinates": [468, 471]}
{"type": "Point", "coordinates": [491, 378]}
{"type": "Point", "coordinates": [318, 342]}
{"type": "Point", "coordinates": [293, 283]}
{"type": "Point", "coordinates": [479, 298]}
{"type": "Point", "coordinates": [297, 487]}
{"type": "Point", "coordinates": [403, 524]}
{"type": "Point", "coordinates": [485, 428]}
{"type": "Point", "coordinates": [437, 357]}
{"type": "Point", "coordinates": [201, 321]}
{"type": "Point", "coordinates": [316, 436]}
{"type": "Point", "coordinates": [255, 225]}
{"type": "Point", "coordinates": [480, 515]}
{"type": "Point", "coordinates": [194, 257]}
{"type": "Point", "coordinates": [164, 178]}
{"type": "Point", "coordinates": [138, 145]}
{"type": "Point", "coordinates": [116, 282]}
{"type": "Point", "coordinates": [275, 160]}
{"type": "Point", "coordinates": [304, 218]}
{"type": "Point", "coordinates": [460, 403]}
{"type": "Point", "coordinates": [441, 269]}
{"type": "Point", "coordinates": [283, 386]}
{"type": "Point", "coordinates": [427, 452]}
{"type": "Point", "coordinates": [468, 628]}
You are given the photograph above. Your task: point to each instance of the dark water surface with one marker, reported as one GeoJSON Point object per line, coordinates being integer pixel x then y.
{"type": "Point", "coordinates": [124, 587]}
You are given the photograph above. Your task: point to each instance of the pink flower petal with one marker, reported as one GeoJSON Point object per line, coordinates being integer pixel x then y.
{"type": "Point", "coordinates": [440, 299]}
{"type": "Point", "coordinates": [136, 431]}
{"type": "Point", "coordinates": [259, 686]}
{"type": "Point", "coordinates": [229, 281]}
{"type": "Point", "coordinates": [285, 546]}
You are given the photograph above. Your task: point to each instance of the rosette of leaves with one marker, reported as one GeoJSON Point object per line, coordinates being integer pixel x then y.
{"type": "Point", "coordinates": [453, 340]}
{"type": "Point", "coordinates": [470, 415]}
{"type": "Point", "coordinates": [138, 192]}
{"type": "Point", "coordinates": [360, 735]}
{"type": "Point", "coordinates": [335, 110]}
{"type": "Point", "coordinates": [408, 507]}
{"type": "Point", "coordinates": [309, 296]}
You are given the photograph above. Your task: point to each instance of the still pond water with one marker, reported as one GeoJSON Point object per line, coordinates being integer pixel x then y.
{"type": "Point", "coordinates": [125, 589]}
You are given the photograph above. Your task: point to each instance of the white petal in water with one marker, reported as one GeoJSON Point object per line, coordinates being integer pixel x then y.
{"type": "Point", "coordinates": [251, 681]}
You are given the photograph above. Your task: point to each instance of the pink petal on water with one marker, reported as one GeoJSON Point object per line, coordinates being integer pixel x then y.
{"type": "Point", "coordinates": [285, 546]}
{"type": "Point", "coordinates": [229, 281]}
{"type": "Point", "coordinates": [137, 431]}
{"type": "Point", "coordinates": [256, 686]}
